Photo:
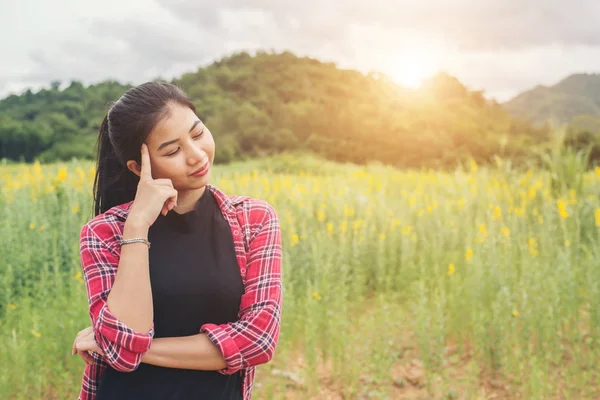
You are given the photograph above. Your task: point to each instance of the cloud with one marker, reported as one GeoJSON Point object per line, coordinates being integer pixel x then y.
{"type": "Point", "coordinates": [470, 25]}
{"type": "Point", "coordinates": [501, 46]}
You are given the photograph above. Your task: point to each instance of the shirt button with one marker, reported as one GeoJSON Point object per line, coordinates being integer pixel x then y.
{"type": "Point", "coordinates": [243, 270]}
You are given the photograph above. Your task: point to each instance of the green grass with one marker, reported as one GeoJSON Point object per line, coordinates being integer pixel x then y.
{"type": "Point", "coordinates": [471, 275]}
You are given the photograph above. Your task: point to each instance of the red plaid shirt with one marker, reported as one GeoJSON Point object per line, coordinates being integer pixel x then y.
{"type": "Point", "coordinates": [248, 342]}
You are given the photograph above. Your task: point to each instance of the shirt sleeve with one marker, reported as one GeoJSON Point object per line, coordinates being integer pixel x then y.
{"type": "Point", "coordinates": [123, 347]}
{"type": "Point", "coordinates": [252, 339]}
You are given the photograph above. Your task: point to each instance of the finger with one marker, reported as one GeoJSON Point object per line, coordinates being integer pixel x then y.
{"type": "Point", "coordinates": [87, 344]}
{"type": "Point", "coordinates": [146, 171]}
{"type": "Point", "coordinates": [87, 358]}
{"type": "Point", "coordinates": [74, 348]}
{"type": "Point", "coordinates": [171, 203]}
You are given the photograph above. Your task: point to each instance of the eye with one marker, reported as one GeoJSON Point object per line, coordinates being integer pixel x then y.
{"type": "Point", "coordinates": [200, 134]}
{"type": "Point", "coordinates": [177, 151]}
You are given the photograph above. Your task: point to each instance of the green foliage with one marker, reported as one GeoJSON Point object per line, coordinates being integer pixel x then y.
{"type": "Point", "coordinates": [567, 166]}
{"type": "Point", "coordinates": [270, 103]}
{"type": "Point", "coordinates": [54, 124]}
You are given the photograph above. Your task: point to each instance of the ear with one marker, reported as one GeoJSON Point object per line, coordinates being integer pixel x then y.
{"type": "Point", "coordinates": [134, 167]}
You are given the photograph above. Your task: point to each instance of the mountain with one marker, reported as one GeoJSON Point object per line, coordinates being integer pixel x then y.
{"type": "Point", "coordinates": [563, 103]}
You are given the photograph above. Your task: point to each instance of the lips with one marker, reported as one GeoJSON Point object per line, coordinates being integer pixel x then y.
{"type": "Point", "coordinates": [201, 169]}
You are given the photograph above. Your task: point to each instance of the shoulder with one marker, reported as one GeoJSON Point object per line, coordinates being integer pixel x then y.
{"type": "Point", "coordinates": [258, 211]}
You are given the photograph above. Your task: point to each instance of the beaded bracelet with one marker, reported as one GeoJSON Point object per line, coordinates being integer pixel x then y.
{"type": "Point", "coordinates": [134, 240]}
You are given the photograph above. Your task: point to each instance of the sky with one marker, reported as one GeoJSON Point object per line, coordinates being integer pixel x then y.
{"type": "Point", "coordinates": [502, 47]}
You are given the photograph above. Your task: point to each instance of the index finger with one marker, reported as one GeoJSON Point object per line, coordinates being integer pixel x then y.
{"type": "Point", "coordinates": [145, 172]}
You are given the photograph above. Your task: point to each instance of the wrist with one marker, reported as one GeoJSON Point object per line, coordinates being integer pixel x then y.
{"type": "Point", "coordinates": [135, 229]}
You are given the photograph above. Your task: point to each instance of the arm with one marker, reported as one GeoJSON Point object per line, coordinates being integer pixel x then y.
{"type": "Point", "coordinates": [119, 295]}
{"type": "Point", "coordinates": [252, 339]}
{"type": "Point", "coordinates": [188, 352]}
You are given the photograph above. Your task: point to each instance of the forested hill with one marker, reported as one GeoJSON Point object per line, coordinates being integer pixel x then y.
{"type": "Point", "coordinates": [274, 102]}
{"type": "Point", "coordinates": [572, 100]}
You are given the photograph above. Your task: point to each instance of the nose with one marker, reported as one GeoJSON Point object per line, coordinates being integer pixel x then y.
{"type": "Point", "coordinates": [196, 155]}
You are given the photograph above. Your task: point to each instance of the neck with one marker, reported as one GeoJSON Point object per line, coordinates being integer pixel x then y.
{"type": "Point", "coordinates": [186, 200]}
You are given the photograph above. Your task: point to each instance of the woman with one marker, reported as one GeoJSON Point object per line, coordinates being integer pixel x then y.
{"type": "Point", "coordinates": [183, 281]}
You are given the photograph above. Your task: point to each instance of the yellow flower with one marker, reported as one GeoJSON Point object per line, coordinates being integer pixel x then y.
{"type": "Point", "coordinates": [343, 226]}
{"type": "Point", "coordinates": [562, 209]}
{"type": "Point", "coordinates": [11, 306]}
{"type": "Point", "coordinates": [520, 211]}
{"type": "Point", "coordinates": [321, 216]}
{"type": "Point", "coordinates": [484, 233]}
{"type": "Point", "coordinates": [357, 224]}
{"type": "Point", "coordinates": [567, 243]}
{"type": "Point", "coordinates": [483, 230]}
{"type": "Point", "coordinates": [497, 214]}
{"type": "Point", "coordinates": [330, 227]}
{"type": "Point", "coordinates": [505, 231]}
{"type": "Point", "coordinates": [468, 254]}
{"type": "Point", "coordinates": [62, 174]}
{"type": "Point", "coordinates": [294, 240]}
{"type": "Point", "coordinates": [32, 226]}
{"type": "Point", "coordinates": [348, 211]}
{"type": "Point", "coordinates": [597, 216]}
{"type": "Point", "coordinates": [412, 200]}
{"type": "Point", "coordinates": [382, 236]}
{"type": "Point", "coordinates": [407, 230]}
{"type": "Point", "coordinates": [41, 228]}
{"type": "Point", "coordinates": [473, 166]}
{"type": "Point", "coordinates": [35, 333]}
{"type": "Point", "coordinates": [533, 247]}
{"type": "Point", "coordinates": [75, 209]}
{"type": "Point", "coordinates": [316, 296]}
{"type": "Point", "coordinates": [450, 269]}
{"type": "Point", "coordinates": [515, 313]}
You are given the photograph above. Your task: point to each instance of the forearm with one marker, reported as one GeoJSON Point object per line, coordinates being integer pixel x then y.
{"type": "Point", "coordinates": [186, 352]}
{"type": "Point", "coordinates": [130, 298]}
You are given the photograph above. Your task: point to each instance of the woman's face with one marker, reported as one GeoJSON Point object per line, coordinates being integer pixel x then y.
{"type": "Point", "coordinates": [179, 145]}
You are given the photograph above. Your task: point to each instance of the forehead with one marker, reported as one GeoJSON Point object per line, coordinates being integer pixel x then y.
{"type": "Point", "coordinates": [176, 122]}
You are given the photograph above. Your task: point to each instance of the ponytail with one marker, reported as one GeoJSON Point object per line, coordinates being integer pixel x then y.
{"type": "Point", "coordinates": [114, 183]}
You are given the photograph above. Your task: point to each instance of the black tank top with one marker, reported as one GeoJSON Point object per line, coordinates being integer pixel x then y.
{"type": "Point", "coordinates": [195, 280]}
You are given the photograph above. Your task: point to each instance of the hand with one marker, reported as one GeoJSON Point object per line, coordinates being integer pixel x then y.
{"type": "Point", "coordinates": [84, 343]}
{"type": "Point", "coordinates": [153, 196]}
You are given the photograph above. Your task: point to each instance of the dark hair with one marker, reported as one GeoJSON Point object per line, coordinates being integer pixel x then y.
{"type": "Point", "coordinates": [122, 132]}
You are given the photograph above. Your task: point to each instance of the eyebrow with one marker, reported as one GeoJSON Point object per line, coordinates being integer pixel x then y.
{"type": "Point", "coordinates": [165, 144]}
